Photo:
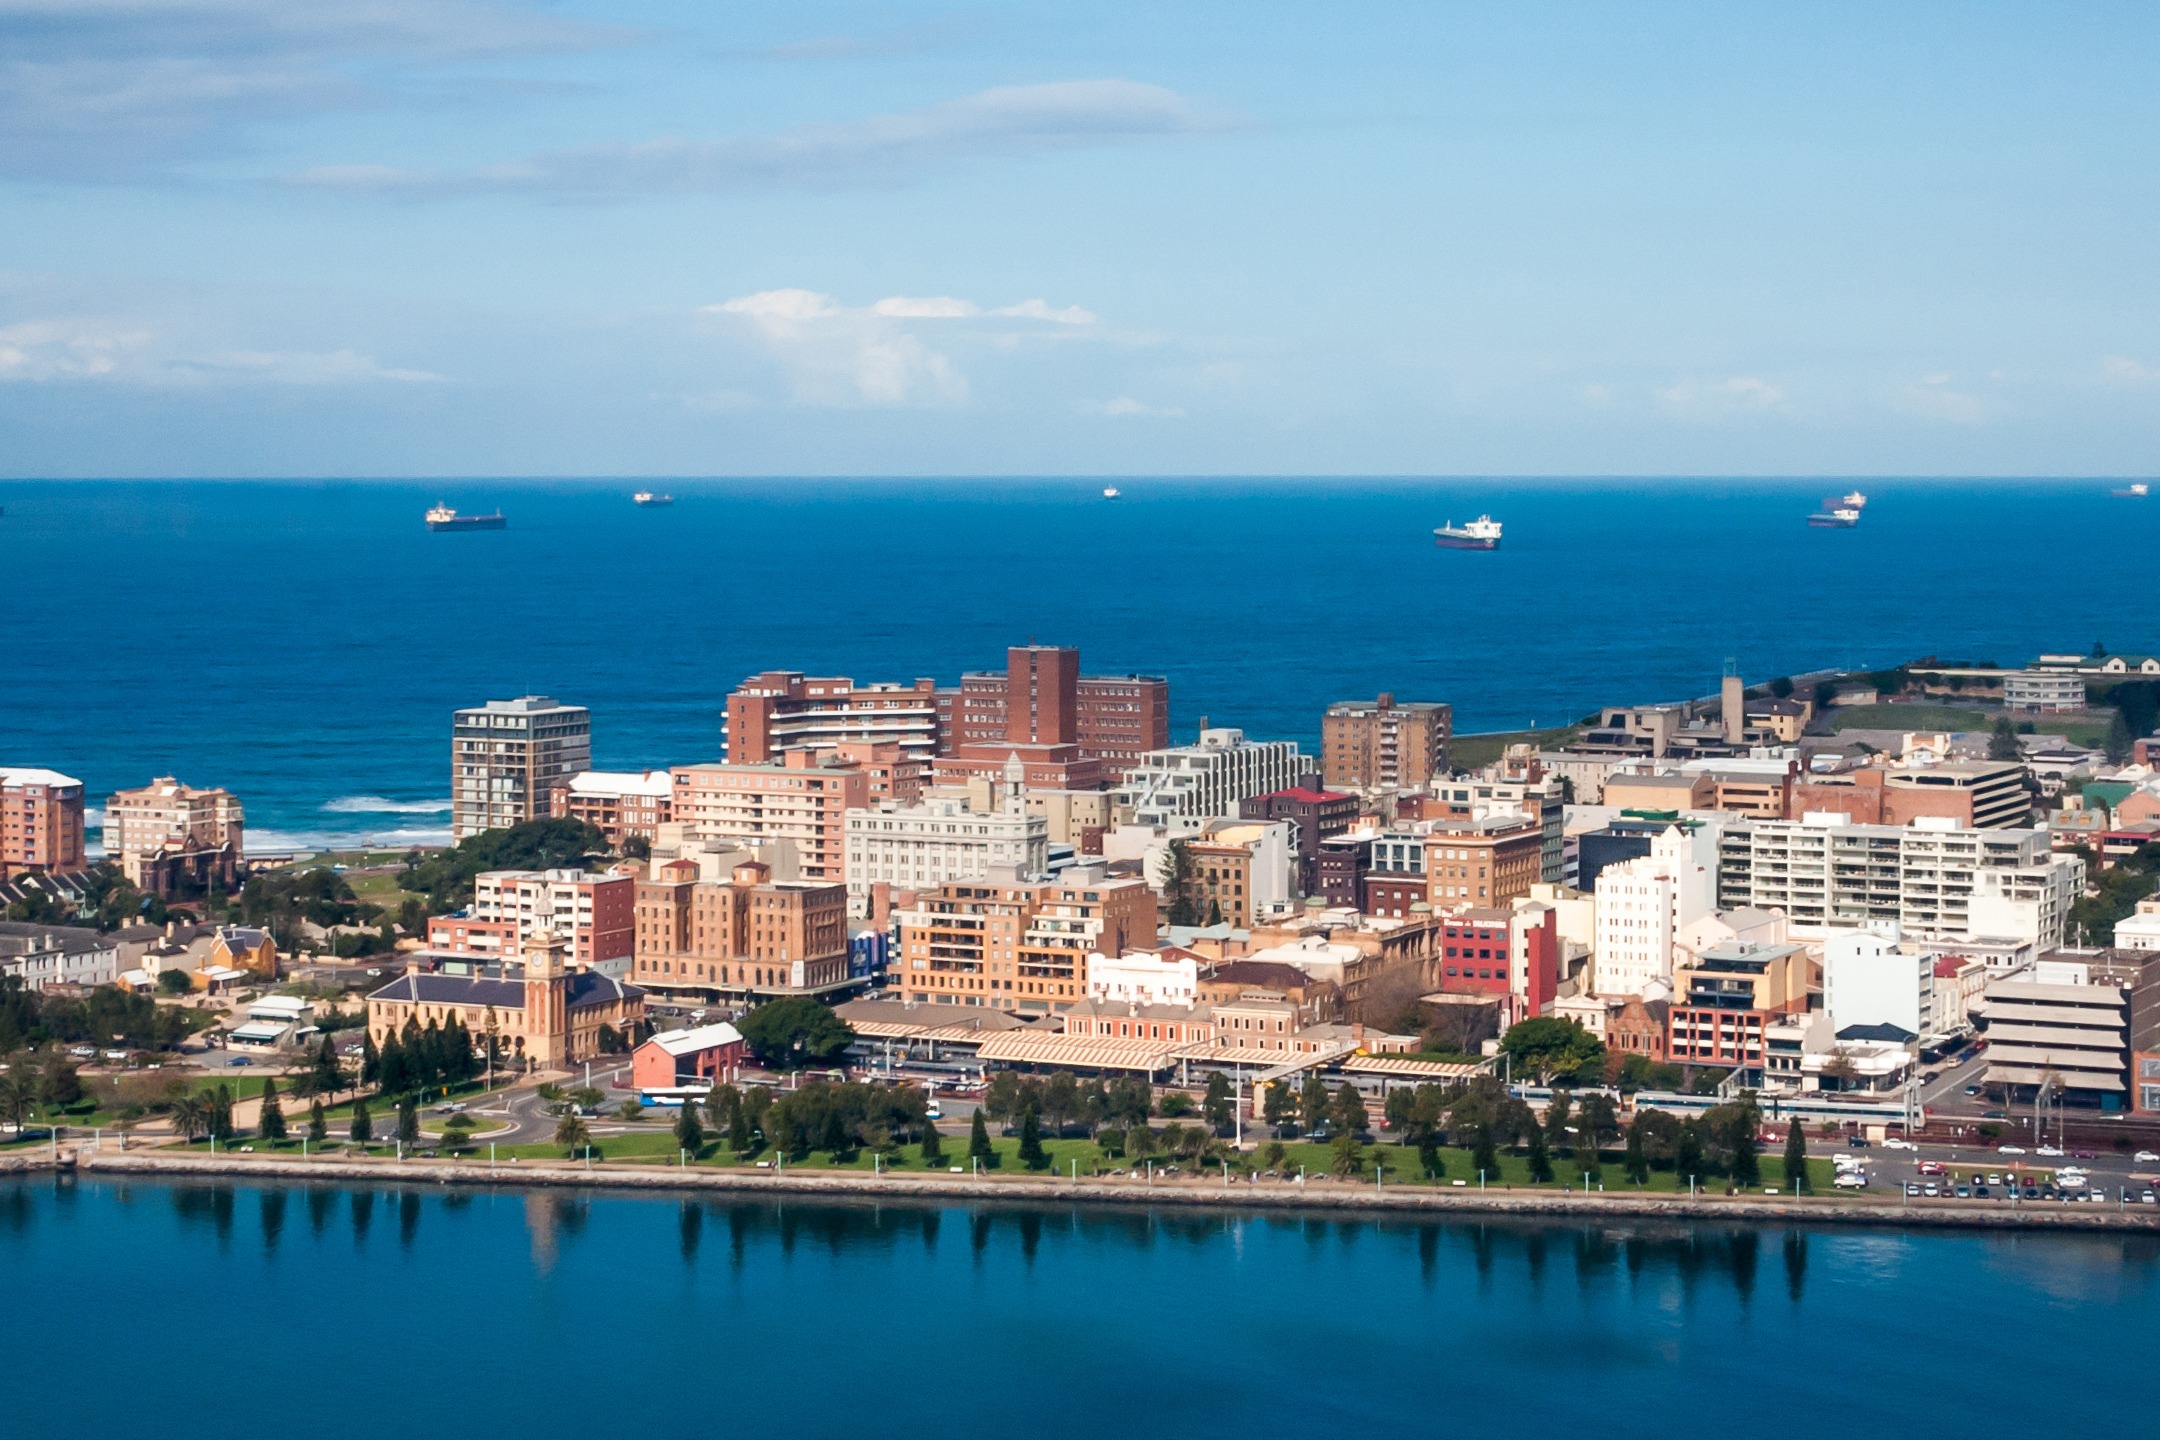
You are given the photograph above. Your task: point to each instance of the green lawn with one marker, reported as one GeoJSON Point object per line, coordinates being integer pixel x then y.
{"type": "Point", "coordinates": [2089, 728]}
{"type": "Point", "coordinates": [1470, 752]}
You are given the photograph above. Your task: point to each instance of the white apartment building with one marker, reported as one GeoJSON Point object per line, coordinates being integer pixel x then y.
{"type": "Point", "coordinates": [1644, 904]}
{"type": "Point", "coordinates": [507, 757]}
{"type": "Point", "coordinates": [1205, 780]}
{"type": "Point", "coordinates": [913, 847]}
{"type": "Point", "coordinates": [1144, 977]}
{"type": "Point", "coordinates": [592, 914]}
{"type": "Point", "coordinates": [1869, 979]}
{"type": "Point", "coordinates": [2140, 931]}
{"type": "Point", "coordinates": [1933, 877]}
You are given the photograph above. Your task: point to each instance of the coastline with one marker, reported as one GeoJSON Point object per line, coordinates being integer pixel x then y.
{"type": "Point", "coordinates": [1276, 1199]}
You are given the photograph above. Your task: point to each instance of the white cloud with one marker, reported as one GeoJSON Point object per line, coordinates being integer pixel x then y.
{"type": "Point", "coordinates": [840, 355]}
{"type": "Point", "coordinates": [1125, 407]}
{"type": "Point", "coordinates": [2124, 370]}
{"type": "Point", "coordinates": [1008, 120]}
{"type": "Point", "coordinates": [111, 88]}
{"type": "Point", "coordinates": [1737, 394]}
{"type": "Point", "coordinates": [59, 351]}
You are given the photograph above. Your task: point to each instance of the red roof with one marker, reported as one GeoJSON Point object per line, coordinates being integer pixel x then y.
{"type": "Point", "coordinates": [1947, 966]}
{"type": "Point", "coordinates": [1308, 797]}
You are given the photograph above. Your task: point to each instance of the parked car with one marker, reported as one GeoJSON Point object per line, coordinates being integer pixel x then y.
{"type": "Point", "coordinates": [2146, 1157]}
{"type": "Point", "coordinates": [1851, 1180]}
{"type": "Point", "coordinates": [239, 1060]}
{"type": "Point", "coordinates": [1972, 1089]}
{"type": "Point", "coordinates": [1931, 1188]}
{"type": "Point", "coordinates": [2146, 1197]}
{"type": "Point", "coordinates": [1912, 1187]}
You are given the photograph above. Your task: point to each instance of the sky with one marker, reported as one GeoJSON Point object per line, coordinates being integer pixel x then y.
{"type": "Point", "coordinates": [490, 237]}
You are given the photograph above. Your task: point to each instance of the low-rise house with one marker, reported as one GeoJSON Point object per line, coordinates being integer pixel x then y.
{"type": "Point", "coordinates": [674, 1059]}
{"type": "Point", "coordinates": [43, 956]}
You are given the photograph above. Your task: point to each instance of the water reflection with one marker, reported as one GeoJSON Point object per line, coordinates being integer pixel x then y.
{"type": "Point", "coordinates": [1795, 1263]}
{"type": "Point", "coordinates": [408, 1218]}
{"type": "Point", "coordinates": [363, 1216]}
{"type": "Point", "coordinates": [272, 1204]}
{"type": "Point", "coordinates": [319, 1200]}
{"type": "Point", "coordinates": [689, 1228]}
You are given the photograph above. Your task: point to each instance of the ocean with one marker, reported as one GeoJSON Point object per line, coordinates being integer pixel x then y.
{"type": "Point", "coordinates": [304, 643]}
{"type": "Point", "coordinates": [237, 1311]}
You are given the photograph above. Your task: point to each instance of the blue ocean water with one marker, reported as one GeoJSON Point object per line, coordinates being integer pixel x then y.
{"type": "Point", "coordinates": [303, 644]}
{"type": "Point", "coordinates": [323, 1311]}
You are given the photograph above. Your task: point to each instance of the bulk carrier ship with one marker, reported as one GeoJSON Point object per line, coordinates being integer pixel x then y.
{"type": "Point", "coordinates": [442, 517]}
{"type": "Point", "coordinates": [1482, 533]}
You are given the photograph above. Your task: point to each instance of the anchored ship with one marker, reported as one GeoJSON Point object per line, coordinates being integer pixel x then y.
{"type": "Point", "coordinates": [646, 497]}
{"type": "Point", "coordinates": [1836, 515]}
{"type": "Point", "coordinates": [2132, 492]}
{"type": "Point", "coordinates": [1110, 492]}
{"type": "Point", "coordinates": [1482, 533]}
{"type": "Point", "coordinates": [442, 517]}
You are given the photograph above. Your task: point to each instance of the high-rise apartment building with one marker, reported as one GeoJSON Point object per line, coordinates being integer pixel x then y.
{"type": "Point", "coordinates": [508, 756]}
{"type": "Point", "coordinates": [592, 914]}
{"type": "Point", "coordinates": [1208, 779]}
{"type": "Point", "coordinates": [747, 937]}
{"type": "Point", "coordinates": [169, 837]}
{"type": "Point", "coordinates": [803, 800]}
{"type": "Point", "coordinates": [1383, 744]}
{"type": "Point", "coordinates": [630, 805]}
{"type": "Point", "coordinates": [1011, 943]}
{"type": "Point", "coordinates": [1040, 698]}
{"type": "Point", "coordinates": [912, 847]}
{"type": "Point", "coordinates": [1933, 877]}
{"type": "Point", "coordinates": [41, 821]}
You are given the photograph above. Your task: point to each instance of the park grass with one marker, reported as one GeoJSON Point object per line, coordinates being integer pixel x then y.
{"type": "Point", "coordinates": [1471, 752]}
{"type": "Point", "coordinates": [2089, 728]}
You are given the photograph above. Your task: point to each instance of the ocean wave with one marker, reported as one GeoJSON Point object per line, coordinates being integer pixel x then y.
{"type": "Point", "coordinates": [286, 842]}
{"type": "Point", "coordinates": [380, 805]}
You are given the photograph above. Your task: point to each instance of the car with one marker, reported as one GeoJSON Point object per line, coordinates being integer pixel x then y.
{"type": "Point", "coordinates": [1972, 1089]}
{"type": "Point", "coordinates": [2146, 1157]}
{"type": "Point", "coordinates": [1980, 1192]}
{"type": "Point", "coordinates": [1994, 1115]}
{"type": "Point", "coordinates": [1993, 1178]}
{"type": "Point", "coordinates": [1851, 1180]}
{"type": "Point", "coordinates": [934, 1110]}
{"type": "Point", "coordinates": [1858, 1142]}
{"type": "Point", "coordinates": [2009, 1149]}
{"type": "Point", "coordinates": [2054, 1151]}
{"type": "Point", "coordinates": [239, 1060]}
{"type": "Point", "coordinates": [2083, 1155]}
{"type": "Point", "coordinates": [83, 1052]}
{"type": "Point", "coordinates": [2146, 1197]}
{"type": "Point", "coordinates": [1911, 1188]}
{"type": "Point", "coordinates": [2030, 1192]}
{"type": "Point", "coordinates": [1964, 1192]}
{"type": "Point", "coordinates": [1899, 1145]}
{"type": "Point", "coordinates": [1931, 1167]}
{"type": "Point", "coordinates": [1931, 1188]}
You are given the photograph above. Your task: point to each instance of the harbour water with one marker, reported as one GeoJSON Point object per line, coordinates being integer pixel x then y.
{"type": "Point", "coordinates": [304, 643]}
{"type": "Point", "coordinates": [235, 1310]}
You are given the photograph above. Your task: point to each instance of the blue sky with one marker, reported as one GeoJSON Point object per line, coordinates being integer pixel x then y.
{"type": "Point", "coordinates": [422, 237]}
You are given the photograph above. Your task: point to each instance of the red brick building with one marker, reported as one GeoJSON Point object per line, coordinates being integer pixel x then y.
{"type": "Point", "coordinates": [41, 822]}
{"type": "Point", "coordinates": [684, 1057]}
{"type": "Point", "coordinates": [1514, 954]}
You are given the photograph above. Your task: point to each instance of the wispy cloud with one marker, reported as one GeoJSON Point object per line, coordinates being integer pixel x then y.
{"type": "Point", "coordinates": [110, 89]}
{"type": "Point", "coordinates": [1123, 407]}
{"type": "Point", "coordinates": [1736, 394]}
{"type": "Point", "coordinates": [1933, 397]}
{"type": "Point", "coordinates": [839, 355]}
{"type": "Point", "coordinates": [2125, 371]}
{"type": "Point", "coordinates": [70, 350]}
{"type": "Point", "coordinates": [1010, 120]}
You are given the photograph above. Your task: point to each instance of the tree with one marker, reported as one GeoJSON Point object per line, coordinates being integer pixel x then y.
{"type": "Point", "coordinates": [328, 1077]}
{"type": "Point", "coordinates": [1279, 1106]}
{"type": "Point", "coordinates": [1181, 886]}
{"type": "Point", "coordinates": [1782, 687]}
{"type": "Point", "coordinates": [1313, 1103]}
{"type": "Point", "coordinates": [1032, 1153]}
{"type": "Point", "coordinates": [1219, 1105]}
{"type": "Point", "coordinates": [1546, 1047]}
{"type": "Point", "coordinates": [1688, 1152]}
{"type": "Point", "coordinates": [1429, 1159]}
{"type": "Point", "coordinates": [795, 1031]}
{"type": "Point", "coordinates": [1796, 1173]}
{"type": "Point", "coordinates": [1347, 1154]}
{"type": "Point", "coordinates": [1540, 1157]}
{"type": "Point", "coordinates": [1484, 1155]}
{"type": "Point", "coordinates": [363, 1126]}
{"type": "Point", "coordinates": [270, 1124]}
{"type": "Point", "coordinates": [1743, 1137]}
{"type": "Point", "coordinates": [979, 1147]}
{"type": "Point", "coordinates": [739, 1136]}
{"type": "Point", "coordinates": [318, 1123]}
{"type": "Point", "coordinates": [190, 1117]}
{"type": "Point", "coordinates": [1557, 1115]}
{"type": "Point", "coordinates": [571, 1134]}
{"type": "Point", "coordinates": [933, 1144]}
{"type": "Point", "coordinates": [390, 1068]}
{"type": "Point", "coordinates": [59, 1085]}
{"type": "Point", "coordinates": [1273, 1154]}
{"type": "Point", "coordinates": [370, 1059]}
{"type": "Point", "coordinates": [689, 1135]}
{"type": "Point", "coordinates": [1059, 1100]}
{"type": "Point", "coordinates": [2003, 742]}
{"type": "Point", "coordinates": [2118, 740]}
{"type": "Point", "coordinates": [1349, 1109]}
{"type": "Point", "coordinates": [1637, 1161]}
{"type": "Point", "coordinates": [408, 1120]}
{"type": "Point", "coordinates": [221, 1116]}
{"type": "Point", "coordinates": [446, 876]}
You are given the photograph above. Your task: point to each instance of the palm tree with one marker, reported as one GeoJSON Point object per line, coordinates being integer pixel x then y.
{"type": "Point", "coordinates": [571, 1134]}
{"type": "Point", "coordinates": [191, 1117]}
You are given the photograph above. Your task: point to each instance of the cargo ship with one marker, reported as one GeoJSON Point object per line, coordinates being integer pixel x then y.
{"type": "Point", "coordinates": [442, 517]}
{"type": "Point", "coordinates": [1110, 492]}
{"type": "Point", "coordinates": [1482, 533]}
{"type": "Point", "coordinates": [1835, 515]}
{"type": "Point", "coordinates": [2132, 492]}
{"type": "Point", "coordinates": [646, 497]}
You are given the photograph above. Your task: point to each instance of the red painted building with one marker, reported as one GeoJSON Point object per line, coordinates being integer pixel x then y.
{"type": "Point", "coordinates": [686, 1057]}
{"type": "Point", "coordinates": [1514, 954]}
